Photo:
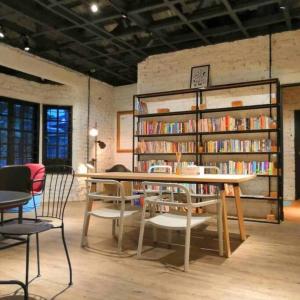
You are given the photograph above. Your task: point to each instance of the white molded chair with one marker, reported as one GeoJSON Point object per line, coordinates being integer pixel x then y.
{"type": "Point", "coordinates": [117, 212]}
{"type": "Point", "coordinates": [207, 196]}
{"type": "Point", "coordinates": [175, 221]}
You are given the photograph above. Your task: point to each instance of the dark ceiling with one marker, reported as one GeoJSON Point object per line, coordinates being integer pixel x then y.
{"type": "Point", "coordinates": [113, 41]}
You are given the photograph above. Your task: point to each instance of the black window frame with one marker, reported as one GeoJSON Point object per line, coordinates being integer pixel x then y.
{"type": "Point", "coordinates": [58, 161]}
{"type": "Point", "coordinates": [11, 153]}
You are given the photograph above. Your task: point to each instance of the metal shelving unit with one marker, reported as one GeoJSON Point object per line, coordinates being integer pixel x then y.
{"type": "Point", "coordinates": [272, 108]}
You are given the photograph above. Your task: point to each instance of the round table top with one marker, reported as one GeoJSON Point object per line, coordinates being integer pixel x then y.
{"type": "Point", "coordinates": [11, 198]}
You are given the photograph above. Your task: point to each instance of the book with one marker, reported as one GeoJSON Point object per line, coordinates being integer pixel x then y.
{"type": "Point", "coordinates": [166, 147]}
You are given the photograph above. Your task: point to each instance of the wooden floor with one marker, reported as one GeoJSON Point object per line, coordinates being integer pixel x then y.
{"type": "Point", "coordinates": [265, 266]}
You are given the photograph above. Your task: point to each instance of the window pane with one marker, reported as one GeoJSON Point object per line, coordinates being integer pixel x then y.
{"type": "Point", "coordinates": [3, 121]}
{"type": "Point", "coordinates": [18, 132]}
{"type": "Point", "coordinates": [51, 126]}
{"type": "Point", "coordinates": [51, 152]}
{"type": "Point", "coordinates": [28, 124]}
{"type": "Point", "coordinates": [3, 136]}
{"type": "Point", "coordinates": [28, 112]}
{"type": "Point", "coordinates": [3, 108]}
{"type": "Point", "coordinates": [57, 138]}
{"type": "Point", "coordinates": [52, 114]}
{"type": "Point", "coordinates": [17, 123]}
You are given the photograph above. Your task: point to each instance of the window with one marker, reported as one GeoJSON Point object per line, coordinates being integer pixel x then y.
{"type": "Point", "coordinates": [57, 141]}
{"type": "Point", "coordinates": [18, 131]}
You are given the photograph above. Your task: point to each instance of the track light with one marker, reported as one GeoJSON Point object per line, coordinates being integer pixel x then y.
{"type": "Point", "coordinates": [26, 43]}
{"type": "Point", "coordinates": [2, 35]}
{"type": "Point", "coordinates": [94, 7]}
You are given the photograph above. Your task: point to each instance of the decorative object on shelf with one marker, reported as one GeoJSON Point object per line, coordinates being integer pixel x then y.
{"type": "Point", "coordinates": [200, 149]}
{"type": "Point", "coordinates": [274, 101]}
{"type": "Point", "coordinates": [237, 103]}
{"type": "Point", "coordinates": [273, 125]}
{"type": "Point", "coordinates": [178, 159]}
{"type": "Point", "coordinates": [193, 107]}
{"type": "Point", "coordinates": [202, 106]}
{"type": "Point", "coordinates": [200, 77]}
{"type": "Point", "coordinates": [163, 110]}
{"type": "Point", "coordinates": [124, 137]}
{"type": "Point", "coordinates": [93, 132]}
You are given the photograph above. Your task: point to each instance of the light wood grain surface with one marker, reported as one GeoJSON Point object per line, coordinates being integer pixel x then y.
{"type": "Point", "coordinates": [264, 267]}
{"type": "Point", "coordinates": [208, 178]}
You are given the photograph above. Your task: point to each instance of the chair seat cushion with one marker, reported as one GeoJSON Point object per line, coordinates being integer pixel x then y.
{"type": "Point", "coordinates": [176, 222]}
{"type": "Point", "coordinates": [110, 213]}
{"type": "Point", "coordinates": [25, 229]}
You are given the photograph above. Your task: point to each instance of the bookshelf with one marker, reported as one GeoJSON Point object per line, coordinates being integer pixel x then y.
{"type": "Point", "coordinates": [248, 136]}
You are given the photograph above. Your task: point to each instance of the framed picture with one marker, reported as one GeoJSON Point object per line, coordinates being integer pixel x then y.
{"type": "Point", "coordinates": [200, 77]}
{"type": "Point", "coordinates": [124, 131]}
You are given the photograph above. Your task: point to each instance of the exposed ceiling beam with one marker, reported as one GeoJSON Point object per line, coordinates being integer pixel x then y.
{"type": "Point", "coordinates": [38, 20]}
{"type": "Point", "coordinates": [235, 17]}
{"type": "Point", "coordinates": [184, 19]}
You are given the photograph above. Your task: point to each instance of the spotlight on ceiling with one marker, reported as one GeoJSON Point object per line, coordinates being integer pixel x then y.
{"type": "Point", "coordinates": [26, 43]}
{"type": "Point", "coordinates": [2, 35]}
{"type": "Point", "coordinates": [282, 7]}
{"type": "Point", "coordinates": [124, 16]}
{"type": "Point", "coordinates": [94, 7]}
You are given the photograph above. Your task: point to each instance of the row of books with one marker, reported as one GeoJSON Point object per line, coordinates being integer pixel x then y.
{"type": "Point", "coordinates": [162, 127]}
{"type": "Point", "coordinates": [229, 123]}
{"type": "Point", "coordinates": [144, 165]}
{"type": "Point", "coordinates": [166, 147]}
{"type": "Point", "coordinates": [235, 145]}
{"type": "Point", "coordinates": [226, 123]}
{"type": "Point", "coordinates": [246, 168]}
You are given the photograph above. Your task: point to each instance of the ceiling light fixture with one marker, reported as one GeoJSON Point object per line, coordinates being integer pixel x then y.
{"type": "Point", "coordinates": [282, 7]}
{"type": "Point", "coordinates": [94, 7]}
{"type": "Point", "coordinates": [26, 43]}
{"type": "Point", "coordinates": [2, 35]}
{"type": "Point", "coordinates": [124, 16]}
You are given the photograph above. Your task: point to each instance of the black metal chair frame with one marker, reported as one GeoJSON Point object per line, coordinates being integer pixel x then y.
{"type": "Point", "coordinates": [53, 204]}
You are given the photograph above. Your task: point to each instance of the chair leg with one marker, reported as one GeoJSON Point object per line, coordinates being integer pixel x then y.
{"type": "Point", "coordinates": [67, 254]}
{"type": "Point", "coordinates": [27, 264]}
{"type": "Point", "coordinates": [38, 255]}
{"type": "Point", "coordinates": [141, 236]}
{"type": "Point", "coordinates": [120, 235]}
{"type": "Point", "coordinates": [187, 249]}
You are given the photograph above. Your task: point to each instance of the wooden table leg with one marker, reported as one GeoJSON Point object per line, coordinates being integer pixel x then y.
{"type": "Point", "coordinates": [239, 210]}
{"type": "Point", "coordinates": [225, 223]}
{"type": "Point", "coordinates": [89, 207]}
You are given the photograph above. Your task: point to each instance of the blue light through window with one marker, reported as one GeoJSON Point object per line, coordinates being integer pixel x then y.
{"type": "Point", "coordinates": [57, 135]}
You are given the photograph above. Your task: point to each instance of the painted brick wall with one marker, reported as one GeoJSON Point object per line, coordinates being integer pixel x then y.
{"type": "Point", "coordinates": [123, 96]}
{"type": "Point", "coordinates": [74, 92]}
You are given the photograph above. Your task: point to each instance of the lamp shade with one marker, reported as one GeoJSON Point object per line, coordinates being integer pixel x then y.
{"type": "Point", "coordinates": [93, 131]}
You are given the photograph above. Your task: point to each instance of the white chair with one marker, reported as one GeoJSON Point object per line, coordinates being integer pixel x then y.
{"type": "Point", "coordinates": [183, 221]}
{"type": "Point", "coordinates": [117, 212]}
{"type": "Point", "coordinates": [206, 196]}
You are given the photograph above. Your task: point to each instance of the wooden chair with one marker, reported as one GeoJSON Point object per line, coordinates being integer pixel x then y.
{"type": "Point", "coordinates": [117, 212]}
{"type": "Point", "coordinates": [183, 221]}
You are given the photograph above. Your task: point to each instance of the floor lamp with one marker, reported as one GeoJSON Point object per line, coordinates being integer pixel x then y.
{"type": "Point", "coordinates": [94, 133]}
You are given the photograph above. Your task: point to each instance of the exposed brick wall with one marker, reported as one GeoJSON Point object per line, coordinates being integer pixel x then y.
{"type": "Point", "coordinates": [123, 96]}
{"type": "Point", "coordinates": [74, 92]}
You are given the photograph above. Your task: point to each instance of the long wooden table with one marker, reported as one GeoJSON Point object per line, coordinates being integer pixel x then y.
{"type": "Point", "coordinates": [215, 179]}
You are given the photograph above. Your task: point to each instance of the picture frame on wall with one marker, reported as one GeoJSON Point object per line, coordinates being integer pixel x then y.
{"type": "Point", "coordinates": [124, 131]}
{"type": "Point", "coordinates": [200, 77]}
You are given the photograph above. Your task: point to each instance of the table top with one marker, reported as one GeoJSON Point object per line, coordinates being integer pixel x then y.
{"type": "Point", "coordinates": [134, 176]}
{"type": "Point", "coordinates": [11, 198]}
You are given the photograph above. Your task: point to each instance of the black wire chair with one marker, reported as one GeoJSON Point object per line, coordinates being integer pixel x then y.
{"type": "Point", "coordinates": [57, 185]}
